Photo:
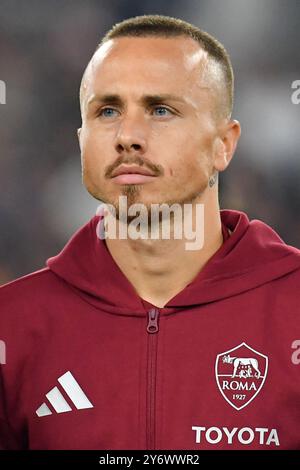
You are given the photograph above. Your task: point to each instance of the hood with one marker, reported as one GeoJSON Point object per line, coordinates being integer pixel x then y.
{"type": "Point", "coordinates": [253, 255]}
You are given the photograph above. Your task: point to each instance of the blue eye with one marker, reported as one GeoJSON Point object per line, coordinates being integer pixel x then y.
{"type": "Point", "coordinates": [161, 111]}
{"type": "Point", "coordinates": [108, 112]}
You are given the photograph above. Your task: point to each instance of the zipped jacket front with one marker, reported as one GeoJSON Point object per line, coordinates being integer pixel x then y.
{"type": "Point", "coordinates": [87, 364]}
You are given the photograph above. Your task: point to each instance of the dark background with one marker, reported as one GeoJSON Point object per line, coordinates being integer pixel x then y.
{"type": "Point", "coordinates": [44, 48]}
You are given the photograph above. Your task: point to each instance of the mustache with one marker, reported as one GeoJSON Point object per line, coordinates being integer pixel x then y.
{"type": "Point", "coordinates": [136, 160]}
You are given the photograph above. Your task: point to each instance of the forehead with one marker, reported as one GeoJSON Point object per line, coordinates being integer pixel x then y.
{"type": "Point", "coordinates": [178, 63]}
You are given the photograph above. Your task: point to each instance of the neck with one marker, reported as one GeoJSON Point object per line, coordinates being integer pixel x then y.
{"type": "Point", "coordinates": [160, 269]}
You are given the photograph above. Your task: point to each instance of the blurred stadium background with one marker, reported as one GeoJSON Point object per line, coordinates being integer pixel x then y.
{"type": "Point", "coordinates": [44, 48]}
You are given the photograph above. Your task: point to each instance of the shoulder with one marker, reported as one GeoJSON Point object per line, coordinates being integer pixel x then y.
{"type": "Point", "coordinates": [25, 286]}
{"type": "Point", "coordinates": [22, 299]}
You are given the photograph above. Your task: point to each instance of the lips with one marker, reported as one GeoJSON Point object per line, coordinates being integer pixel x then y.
{"type": "Point", "coordinates": [132, 169]}
{"type": "Point", "coordinates": [132, 174]}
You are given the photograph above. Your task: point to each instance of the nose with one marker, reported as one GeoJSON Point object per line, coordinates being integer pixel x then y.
{"type": "Point", "coordinates": [131, 135]}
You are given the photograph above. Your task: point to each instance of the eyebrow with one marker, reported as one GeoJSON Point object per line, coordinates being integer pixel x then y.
{"type": "Point", "coordinates": [145, 100]}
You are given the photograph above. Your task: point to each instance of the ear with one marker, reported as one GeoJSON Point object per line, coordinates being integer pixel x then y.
{"type": "Point", "coordinates": [225, 144]}
{"type": "Point", "coordinates": [78, 134]}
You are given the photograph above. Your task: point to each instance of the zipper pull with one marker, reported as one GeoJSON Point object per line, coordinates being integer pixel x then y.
{"type": "Point", "coordinates": [153, 321]}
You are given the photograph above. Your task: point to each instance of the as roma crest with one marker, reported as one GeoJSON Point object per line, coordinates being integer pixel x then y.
{"type": "Point", "coordinates": [240, 374]}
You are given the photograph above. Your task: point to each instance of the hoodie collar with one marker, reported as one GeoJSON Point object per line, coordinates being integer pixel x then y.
{"type": "Point", "coordinates": [251, 256]}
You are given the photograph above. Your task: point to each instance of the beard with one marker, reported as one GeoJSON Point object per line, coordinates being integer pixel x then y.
{"type": "Point", "coordinates": [183, 191]}
{"type": "Point", "coordinates": [134, 195]}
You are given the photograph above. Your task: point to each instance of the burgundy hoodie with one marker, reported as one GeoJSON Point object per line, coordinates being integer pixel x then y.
{"type": "Point", "coordinates": [87, 364]}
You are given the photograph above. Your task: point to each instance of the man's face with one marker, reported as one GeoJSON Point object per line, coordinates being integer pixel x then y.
{"type": "Point", "coordinates": [148, 102]}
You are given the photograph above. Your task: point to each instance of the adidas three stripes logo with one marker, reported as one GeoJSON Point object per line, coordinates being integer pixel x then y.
{"type": "Point", "coordinates": [58, 401]}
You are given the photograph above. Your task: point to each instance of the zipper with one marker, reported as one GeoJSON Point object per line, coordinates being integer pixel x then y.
{"type": "Point", "coordinates": [152, 328]}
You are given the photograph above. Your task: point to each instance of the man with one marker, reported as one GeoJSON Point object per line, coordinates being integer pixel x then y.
{"type": "Point", "coordinates": [141, 343]}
